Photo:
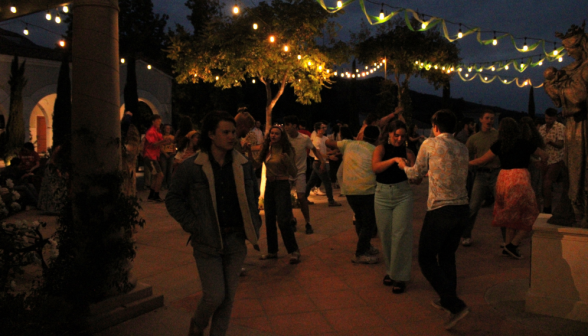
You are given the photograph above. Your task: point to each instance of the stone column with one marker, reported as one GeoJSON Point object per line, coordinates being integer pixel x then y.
{"type": "Point", "coordinates": [95, 88]}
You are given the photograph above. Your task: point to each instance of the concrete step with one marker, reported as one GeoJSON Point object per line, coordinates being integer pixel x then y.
{"type": "Point", "coordinates": [121, 308]}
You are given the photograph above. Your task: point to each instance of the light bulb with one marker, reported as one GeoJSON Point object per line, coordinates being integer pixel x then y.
{"type": "Point", "coordinates": [253, 81]}
{"type": "Point", "coordinates": [320, 67]}
{"type": "Point", "coordinates": [443, 68]}
{"type": "Point", "coordinates": [377, 64]}
{"type": "Point", "coordinates": [384, 60]}
{"type": "Point", "coordinates": [424, 25]}
{"type": "Point", "coordinates": [342, 74]}
{"type": "Point", "coordinates": [286, 48]}
{"type": "Point", "coordinates": [216, 78]}
{"type": "Point", "coordinates": [506, 67]}
{"type": "Point", "coordinates": [149, 66]}
{"type": "Point", "coordinates": [525, 48]}
{"type": "Point", "coordinates": [505, 81]}
{"type": "Point", "coordinates": [469, 69]}
{"type": "Point", "coordinates": [366, 67]}
{"type": "Point", "coordinates": [12, 9]}
{"type": "Point", "coordinates": [255, 26]}
{"type": "Point", "coordinates": [353, 75]}
{"type": "Point", "coordinates": [356, 70]}
{"type": "Point", "coordinates": [235, 9]}
{"type": "Point", "coordinates": [309, 63]}
{"type": "Point", "coordinates": [485, 78]}
{"type": "Point", "coordinates": [339, 4]}
{"type": "Point", "coordinates": [272, 39]}
{"type": "Point", "coordinates": [62, 43]}
{"type": "Point", "coordinates": [48, 16]}
{"type": "Point", "coordinates": [382, 15]}
{"type": "Point", "coordinates": [522, 66]}
{"type": "Point", "coordinates": [65, 9]}
{"type": "Point", "coordinates": [26, 31]}
{"type": "Point", "coordinates": [57, 19]}
{"type": "Point", "coordinates": [560, 59]}
{"type": "Point", "coordinates": [555, 53]}
{"type": "Point", "coordinates": [494, 42]}
{"type": "Point", "coordinates": [122, 60]}
{"type": "Point", "coordinates": [452, 69]}
{"type": "Point", "coordinates": [460, 34]}
{"type": "Point", "coordinates": [493, 68]}
{"type": "Point", "coordinates": [540, 63]}
{"type": "Point", "coordinates": [467, 75]}
{"type": "Point", "coordinates": [299, 56]}
{"type": "Point", "coordinates": [459, 69]}
{"type": "Point", "coordinates": [449, 71]}
{"type": "Point", "coordinates": [371, 70]}
{"type": "Point", "coordinates": [416, 62]}
{"type": "Point", "coordinates": [436, 67]}
{"type": "Point", "coordinates": [327, 70]}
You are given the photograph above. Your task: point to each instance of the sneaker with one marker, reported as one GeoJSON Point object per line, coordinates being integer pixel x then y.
{"type": "Point", "coordinates": [373, 251]}
{"type": "Point", "coordinates": [454, 318]}
{"type": "Point", "coordinates": [295, 257]}
{"type": "Point", "coordinates": [364, 259]}
{"type": "Point", "coordinates": [320, 193]}
{"type": "Point", "coordinates": [268, 256]}
{"type": "Point", "coordinates": [313, 191]}
{"type": "Point", "coordinates": [467, 242]}
{"type": "Point", "coordinates": [437, 304]}
{"type": "Point", "coordinates": [513, 251]}
{"type": "Point", "coordinates": [334, 204]}
{"type": "Point", "coordinates": [309, 229]}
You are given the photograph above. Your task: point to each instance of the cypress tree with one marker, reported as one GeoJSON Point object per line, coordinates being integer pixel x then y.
{"type": "Point", "coordinates": [15, 132]}
{"type": "Point", "coordinates": [62, 107]}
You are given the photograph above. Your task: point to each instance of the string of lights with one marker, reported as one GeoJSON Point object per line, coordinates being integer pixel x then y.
{"type": "Point", "coordinates": [53, 15]}
{"type": "Point", "coordinates": [434, 21]}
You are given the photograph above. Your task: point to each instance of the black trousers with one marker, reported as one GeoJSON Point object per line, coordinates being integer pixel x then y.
{"type": "Point", "coordinates": [439, 240]}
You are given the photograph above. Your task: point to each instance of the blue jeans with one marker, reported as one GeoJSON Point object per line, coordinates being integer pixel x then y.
{"type": "Point", "coordinates": [219, 274]}
{"type": "Point", "coordinates": [166, 167]}
{"type": "Point", "coordinates": [365, 220]}
{"type": "Point", "coordinates": [322, 176]}
{"type": "Point", "coordinates": [278, 205]}
{"type": "Point", "coordinates": [393, 206]}
{"type": "Point", "coordinates": [484, 182]}
{"type": "Point", "coordinates": [437, 245]}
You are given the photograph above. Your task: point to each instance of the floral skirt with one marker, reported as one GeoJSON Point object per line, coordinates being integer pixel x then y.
{"type": "Point", "coordinates": [515, 206]}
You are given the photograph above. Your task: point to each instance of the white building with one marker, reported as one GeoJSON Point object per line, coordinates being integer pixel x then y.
{"type": "Point", "coordinates": [154, 86]}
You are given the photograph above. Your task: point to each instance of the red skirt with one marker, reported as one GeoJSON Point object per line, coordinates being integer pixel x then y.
{"type": "Point", "coordinates": [515, 206]}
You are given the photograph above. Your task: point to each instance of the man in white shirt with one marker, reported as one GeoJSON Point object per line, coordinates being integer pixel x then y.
{"type": "Point", "coordinates": [317, 173]}
{"type": "Point", "coordinates": [258, 132]}
{"type": "Point", "coordinates": [553, 134]}
{"type": "Point", "coordinates": [302, 144]}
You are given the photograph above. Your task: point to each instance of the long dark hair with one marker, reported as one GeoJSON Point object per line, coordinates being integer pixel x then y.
{"type": "Point", "coordinates": [530, 133]}
{"type": "Point", "coordinates": [284, 143]}
{"type": "Point", "coordinates": [508, 134]}
{"type": "Point", "coordinates": [391, 127]}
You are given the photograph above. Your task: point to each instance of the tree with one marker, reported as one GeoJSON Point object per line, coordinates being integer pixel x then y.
{"type": "Point", "coordinates": [13, 138]}
{"type": "Point", "coordinates": [130, 91]}
{"type": "Point", "coordinates": [230, 51]}
{"type": "Point", "coordinates": [401, 48]}
{"type": "Point", "coordinates": [141, 32]}
{"type": "Point", "coordinates": [62, 107]}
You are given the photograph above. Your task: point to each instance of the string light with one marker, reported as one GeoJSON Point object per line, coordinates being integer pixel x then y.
{"type": "Point", "coordinates": [286, 48]}
{"type": "Point", "coordinates": [57, 18]}
{"type": "Point", "coordinates": [253, 81]}
{"type": "Point", "coordinates": [235, 9]}
{"type": "Point", "coordinates": [13, 9]}
{"type": "Point", "coordinates": [494, 41]}
{"type": "Point", "coordinates": [525, 48]}
{"type": "Point", "coordinates": [320, 67]}
{"type": "Point", "coordinates": [469, 69]}
{"type": "Point", "coordinates": [122, 60]}
{"type": "Point", "coordinates": [467, 75]}
{"type": "Point", "coordinates": [554, 49]}
{"type": "Point", "coordinates": [272, 39]}
{"type": "Point", "coordinates": [255, 26]}
{"type": "Point", "coordinates": [424, 25]}
{"type": "Point", "coordinates": [65, 9]}
{"type": "Point", "coordinates": [382, 15]}
{"type": "Point", "coordinates": [493, 68]}
{"type": "Point", "coordinates": [459, 34]}
{"type": "Point", "coordinates": [216, 77]}
{"type": "Point", "coordinates": [436, 67]}
{"type": "Point", "coordinates": [540, 63]}
{"type": "Point", "coordinates": [48, 16]}
{"type": "Point", "coordinates": [62, 43]}
{"type": "Point", "coordinates": [299, 57]}
{"type": "Point", "coordinates": [309, 63]}
{"type": "Point", "coordinates": [339, 4]}
{"type": "Point", "coordinates": [149, 66]}
{"type": "Point", "coordinates": [366, 67]}
{"type": "Point", "coordinates": [560, 59]}
{"type": "Point", "coordinates": [506, 67]}
{"type": "Point", "coordinates": [26, 30]}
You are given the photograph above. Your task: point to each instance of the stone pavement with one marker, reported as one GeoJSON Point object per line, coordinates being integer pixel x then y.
{"type": "Point", "coordinates": [328, 295]}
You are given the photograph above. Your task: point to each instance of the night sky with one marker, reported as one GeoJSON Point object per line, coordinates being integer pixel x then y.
{"type": "Point", "coordinates": [524, 18]}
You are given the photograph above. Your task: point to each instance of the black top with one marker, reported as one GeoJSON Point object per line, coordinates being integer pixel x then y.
{"type": "Point", "coordinates": [393, 174]}
{"type": "Point", "coordinates": [516, 158]}
{"type": "Point", "coordinates": [227, 201]}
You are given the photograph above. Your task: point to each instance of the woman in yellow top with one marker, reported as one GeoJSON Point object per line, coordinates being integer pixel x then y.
{"type": "Point", "coordinates": [278, 156]}
{"type": "Point", "coordinates": [168, 152]}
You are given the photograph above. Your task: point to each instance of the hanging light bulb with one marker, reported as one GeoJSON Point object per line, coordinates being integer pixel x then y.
{"type": "Point", "coordinates": [467, 75]}
{"type": "Point", "coordinates": [485, 78]}
{"type": "Point", "coordinates": [449, 71]}
{"type": "Point", "coordinates": [255, 26]}
{"type": "Point", "coordinates": [328, 70]}
{"type": "Point", "coordinates": [235, 9]}
{"type": "Point", "coordinates": [65, 9]}
{"type": "Point", "coordinates": [353, 75]}
{"type": "Point", "coordinates": [299, 56]}
{"type": "Point", "coordinates": [377, 64]}
{"type": "Point", "coordinates": [366, 67]}
{"type": "Point", "coordinates": [216, 77]}
{"type": "Point", "coordinates": [356, 70]}
{"type": "Point", "coordinates": [415, 62]}
{"type": "Point", "coordinates": [272, 39]}
{"type": "Point", "coordinates": [522, 64]}
{"type": "Point", "coordinates": [26, 30]}
{"type": "Point", "coordinates": [309, 63]}
{"type": "Point", "coordinates": [122, 60]}
{"type": "Point", "coordinates": [424, 25]}
{"type": "Point", "coordinates": [57, 18]}
{"type": "Point", "coordinates": [382, 15]}
{"type": "Point", "coordinates": [469, 69]}
{"type": "Point", "coordinates": [452, 69]}
{"type": "Point", "coordinates": [554, 49]}
{"type": "Point", "coordinates": [253, 81]}
{"type": "Point", "coordinates": [62, 43]}
{"type": "Point", "coordinates": [493, 68]}
{"type": "Point", "coordinates": [339, 4]}
{"type": "Point", "coordinates": [320, 67]}
{"type": "Point", "coordinates": [286, 48]}
{"type": "Point", "coordinates": [525, 48]}
{"type": "Point", "coordinates": [13, 9]}
{"type": "Point", "coordinates": [459, 34]}
{"type": "Point", "coordinates": [494, 41]}
{"type": "Point", "coordinates": [436, 67]}
{"type": "Point", "coordinates": [540, 63]}
{"type": "Point", "coordinates": [505, 81]}
{"type": "Point", "coordinates": [560, 59]}
{"type": "Point", "coordinates": [384, 60]}
{"type": "Point", "coordinates": [148, 66]}
{"type": "Point", "coordinates": [459, 69]}
{"type": "Point", "coordinates": [443, 68]}
{"type": "Point", "coordinates": [48, 16]}
{"type": "Point", "coordinates": [506, 67]}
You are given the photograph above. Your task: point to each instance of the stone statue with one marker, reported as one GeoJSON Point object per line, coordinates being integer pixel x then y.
{"type": "Point", "coordinates": [568, 88]}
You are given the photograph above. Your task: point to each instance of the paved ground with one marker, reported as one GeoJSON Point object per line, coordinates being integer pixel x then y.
{"type": "Point", "coordinates": [328, 295]}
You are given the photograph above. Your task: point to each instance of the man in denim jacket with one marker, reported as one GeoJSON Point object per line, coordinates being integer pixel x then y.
{"type": "Point", "coordinates": [214, 197]}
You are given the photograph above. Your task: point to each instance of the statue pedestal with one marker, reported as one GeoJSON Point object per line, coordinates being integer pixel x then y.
{"type": "Point", "coordinates": [559, 271]}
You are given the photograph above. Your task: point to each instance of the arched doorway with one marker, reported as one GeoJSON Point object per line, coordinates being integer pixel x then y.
{"type": "Point", "coordinates": [41, 123]}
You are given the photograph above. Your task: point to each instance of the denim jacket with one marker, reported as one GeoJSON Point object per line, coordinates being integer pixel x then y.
{"type": "Point", "coordinates": [191, 200]}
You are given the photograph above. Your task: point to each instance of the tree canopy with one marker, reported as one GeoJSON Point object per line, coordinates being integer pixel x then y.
{"type": "Point", "coordinates": [402, 47]}
{"type": "Point", "coordinates": [141, 31]}
{"type": "Point", "coordinates": [230, 51]}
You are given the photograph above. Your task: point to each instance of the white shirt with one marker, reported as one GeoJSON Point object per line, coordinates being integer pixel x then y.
{"type": "Point", "coordinates": [320, 143]}
{"type": "Point", "coordinates": [301, 143]}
